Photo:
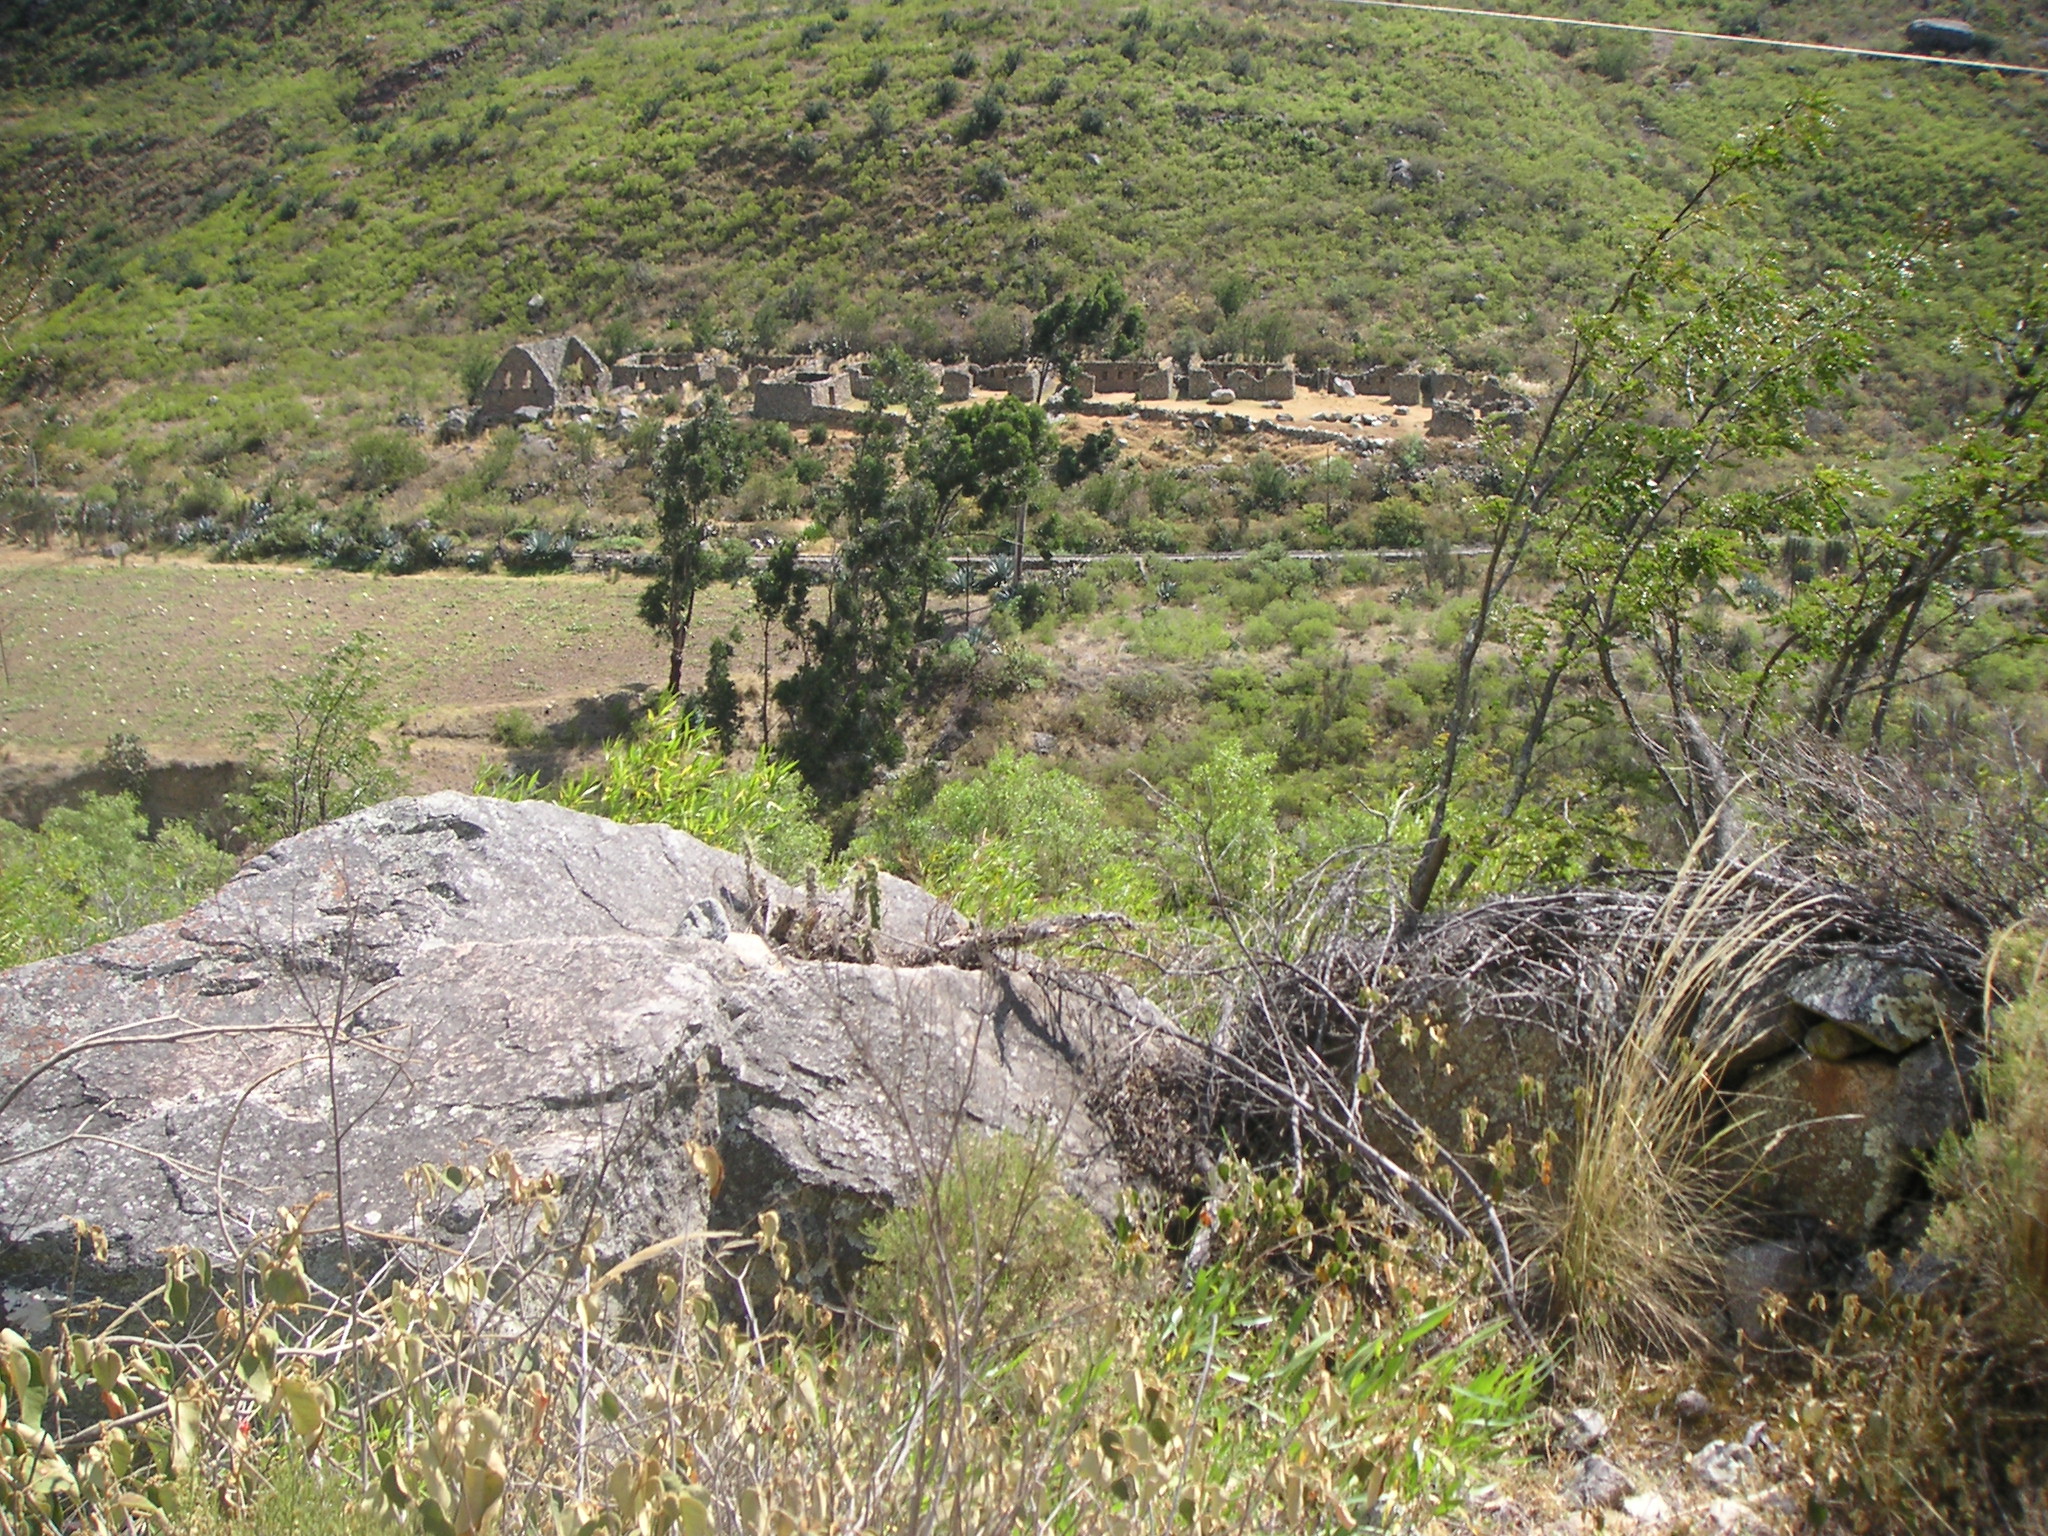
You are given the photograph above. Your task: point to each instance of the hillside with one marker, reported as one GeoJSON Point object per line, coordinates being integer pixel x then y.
{"type": "Point", "coordinates": [283, 223]}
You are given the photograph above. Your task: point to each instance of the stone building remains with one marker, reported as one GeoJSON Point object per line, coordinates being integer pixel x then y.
{"type": "Point", "coordinates": [541, 377]}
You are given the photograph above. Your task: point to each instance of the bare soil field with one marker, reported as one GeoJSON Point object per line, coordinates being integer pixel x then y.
{"type": "Point", "coordinates": [178, 652]}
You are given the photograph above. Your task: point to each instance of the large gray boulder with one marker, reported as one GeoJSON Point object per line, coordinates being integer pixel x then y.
{"type": "Point", "coordinates": [440, 978]}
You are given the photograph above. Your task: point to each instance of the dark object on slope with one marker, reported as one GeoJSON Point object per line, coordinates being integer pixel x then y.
{"type": "Point", "coordinates": [1944, 34]}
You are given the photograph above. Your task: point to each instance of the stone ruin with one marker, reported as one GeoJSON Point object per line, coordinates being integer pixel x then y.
{"type": "Point", "coordinates": [803, 395]}
{"type": "Point", "coordinates": [537, 378]}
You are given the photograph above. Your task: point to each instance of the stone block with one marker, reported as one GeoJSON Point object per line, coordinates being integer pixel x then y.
{"type": "Point", "coordinates": [1892, 1006]}
{"type": "Point", "coordinates": [1452, 421]}
{"type": "Point", "coordinates": [1156, 385]}
{"type": "Point", "coordinates": [1405, 389]}
{"type": "Point", "coordinates": [956, 384]}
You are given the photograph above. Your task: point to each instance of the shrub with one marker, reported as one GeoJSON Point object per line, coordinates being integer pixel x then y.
{"type": "Point", "coordinates": [93, 872]}
{"type": "Point", "coordinates": [964, 65]}
{"type": "Point", "coordinates": [383, 461]}
{"type": "Point", "coordinates": [1616, 58]}
{"type": "Point", "coordinates": [314, 747]}
{"type": "Point", "coordinates": [514, 729]}
{"type": "Point", "coordinates": [1179, 634]}
{"type": "Point", "coordinates": [473, 369]}
{"type": "Point", "coordinates": [1398, 525]}
{"type": "Point", "coordinates": [991, 1251]}
{"type": "Point", "coordinates": [946, 96]}
{"type": "Point", "coordinates": [671, 769]}
{"type": "Point", "coordinates": [1220, 845]}
{"type": "Point", "coordinates": [1019, 837]}
{"type": "Point", "coordinates": [1092, 120]}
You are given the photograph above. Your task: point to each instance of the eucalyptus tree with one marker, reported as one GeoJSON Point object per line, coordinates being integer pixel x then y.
{"type": "Point", "coordinates": [695, 469]}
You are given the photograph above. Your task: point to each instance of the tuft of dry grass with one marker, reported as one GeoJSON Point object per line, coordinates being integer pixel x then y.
{"type": "Point", "coordinates": [1631, 1239]}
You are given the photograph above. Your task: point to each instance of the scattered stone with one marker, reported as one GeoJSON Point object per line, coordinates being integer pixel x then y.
{"type": "Point", "coordinates": [1222, 397]}
{"type": "Point", "coordinates": [1043, 743]}
{"type": "Point", "coordinates": [1757, 1270]}
{"type": "Point", "coordinates": [1651, 1508]}
{"type": "Point", "coordinates": [1598, 1484]}
{"type": "Point", "coordinates": [1580, 1429]}
{"type": "Point", "coordinates": [1401, 173]}
{"type": "Point", "coordinates": [1691, 1406]}
{"type": "Point", "coordinates": [537, 306]}
{"type": "Point", "coordinates": [1344, 388]}
{"type": "Point", "coordinates": [1894, 1007]}
{"type": "Point", "coordinates": [1723, 1467]}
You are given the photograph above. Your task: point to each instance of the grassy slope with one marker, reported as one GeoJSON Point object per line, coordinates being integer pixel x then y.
{"type": "Point", "coordinates": [272, 261]}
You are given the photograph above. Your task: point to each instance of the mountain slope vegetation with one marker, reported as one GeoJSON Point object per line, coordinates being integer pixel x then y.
{"type": "Point", "coordinates": [279, 217]}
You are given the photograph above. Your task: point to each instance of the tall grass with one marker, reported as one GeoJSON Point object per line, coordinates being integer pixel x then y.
{"type": "Point", "coordinates": [1631, 1242]}
{"type": "Point", "coordinates": [553, 1392]}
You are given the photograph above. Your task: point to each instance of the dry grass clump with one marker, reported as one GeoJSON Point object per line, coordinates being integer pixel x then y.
{"type": "Point", "coordinates": [1028, 1372]}
{"type": "Point", "coordinates": [1630, 1240]}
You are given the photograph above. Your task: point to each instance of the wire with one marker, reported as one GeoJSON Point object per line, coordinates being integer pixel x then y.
{"type": "Point", "coordinates": [1711, 37]}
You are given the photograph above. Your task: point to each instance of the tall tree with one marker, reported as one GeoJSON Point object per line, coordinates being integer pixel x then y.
{"type": "Point", "coordinates": [1103, 319]}
{"type": "Point", "coordinates": [782, 594]}
{"type": "Point", "coordinates": [698, 466]}
{"type": "Point", "coordinates": [1697, 367]}
{"type": "Point", "coordinates": [994, 451]}
{"type": "Point", "coordinates": [845, 699]}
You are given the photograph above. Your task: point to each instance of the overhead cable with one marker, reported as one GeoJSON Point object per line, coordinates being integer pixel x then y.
{"type": "Point", "coordinates": [1710, 37]}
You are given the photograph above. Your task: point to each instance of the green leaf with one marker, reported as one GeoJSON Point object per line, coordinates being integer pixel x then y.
{"type": "Point", "coordinates": [284, 1284]}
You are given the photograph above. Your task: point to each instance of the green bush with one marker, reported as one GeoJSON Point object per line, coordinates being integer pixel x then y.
{"type": "Point", "coordinates": [671, 769]}
{"type": "Point", "coordinates": [1179, 634]}
{"type": "Point", "coordinates": [514, 729]}
{"type": "Point", "coordinates": [1018, 838]}
{"type": "Point", "coordinates": [383, 461]}
{"type": "Point", "coordinates": [94, 872]}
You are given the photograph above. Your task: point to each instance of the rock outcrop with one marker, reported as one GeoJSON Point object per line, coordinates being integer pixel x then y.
{"type": "Point", "coordinates": [442, 977]}
{"type": "Point", "coordinates": [1850, 1060]}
